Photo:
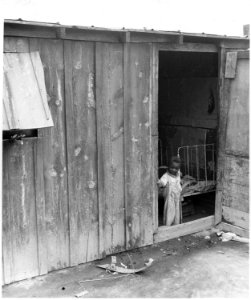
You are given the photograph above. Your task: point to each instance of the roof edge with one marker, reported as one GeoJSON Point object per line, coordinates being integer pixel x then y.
{"type": "Point", "coordinates": [123, 30]}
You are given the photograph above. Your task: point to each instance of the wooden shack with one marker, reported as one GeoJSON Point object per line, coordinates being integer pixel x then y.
{"type": "Point", "coordinates": [84, 186]}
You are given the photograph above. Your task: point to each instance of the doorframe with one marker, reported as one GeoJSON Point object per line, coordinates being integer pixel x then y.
{"type": "Point", "coordinates": [163, 233]}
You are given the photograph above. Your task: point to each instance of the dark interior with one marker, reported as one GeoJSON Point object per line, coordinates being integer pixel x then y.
{"type": "Point", "coordinates": [188, 111]}
{"type": "Point", "coordinates": [13, 135]}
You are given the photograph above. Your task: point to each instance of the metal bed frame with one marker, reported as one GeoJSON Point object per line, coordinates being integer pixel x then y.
{"type": "Point", "coordinates": [198, 162]}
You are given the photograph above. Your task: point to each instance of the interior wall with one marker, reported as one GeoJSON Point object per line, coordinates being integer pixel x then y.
{"type": "Point", "coordinates": [188, 103]}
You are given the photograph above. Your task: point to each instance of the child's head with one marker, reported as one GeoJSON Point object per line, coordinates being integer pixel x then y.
{"type": "Point", "coordinates": [174, 165]}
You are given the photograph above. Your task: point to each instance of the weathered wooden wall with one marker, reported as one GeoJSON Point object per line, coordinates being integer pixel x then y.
{"type": "Point", "coordinates": [85, 187]}
{"type": "Point", "coordinates": [234, 163]}
{"type": "Point", "coordinates": [65, 200]}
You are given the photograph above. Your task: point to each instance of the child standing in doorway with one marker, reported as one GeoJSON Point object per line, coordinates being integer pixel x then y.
{"type": "Point", "coordinates": [171, 191]}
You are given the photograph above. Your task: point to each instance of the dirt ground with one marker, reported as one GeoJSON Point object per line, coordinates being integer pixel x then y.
{"type": "Point", "coordinates": [188, 267]}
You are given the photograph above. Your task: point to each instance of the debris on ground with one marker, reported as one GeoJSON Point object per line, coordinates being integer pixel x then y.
{"type": "Point", "coordinates": [114, 259]}
{"type": "Point", "coordinates": [114, 268]}
{"type": "Point", "coordinates": [167, 252]}
{"type": "Point", "coordinates": [230, 236]}
{"type": "Point", "coordinates": [81, 294]}
{"type": "Point", "coordinates": [171, 252]}
{"type": "Point", "coordinates": [205, 233]}
{"type": "Point", "coordinates": [104, 278]}
{"type": "Point", "coordinates": [221, 252]}
{"type": "Point", "coordinates": [123, 265]}
{"type": "Point", "coordinates": [207, 237]}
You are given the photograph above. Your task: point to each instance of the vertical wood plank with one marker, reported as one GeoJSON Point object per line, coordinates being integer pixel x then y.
{"type": "Point", "coordinates": [54, 154]}
{"type": "Point", "coordinates": [237, 131]}
{"type": "Point", "coordinates": [138, 163]}
{"type": "Point", "coordinates": [154, 130]}
{"type": "Point", "coordinates": [110, 127]}
{"type": "Point", "coordinates": [20, 251]}
{"type": "Point", "coordinates": [7, 261]}
{"type": "Point", "coordinates": [82, 150]}
{"type": "Point", "coordinates": [40, 206]}
{"type": "Point", "coordinates": [235, 196]}
{"type": "Point", "coordinates": [223, 88]}
{"type": "Point", "coordinates": [233, 142]}
{"type": "Point", "coordinates": [231, 61]}
{"type": "Point", "coordinates": [126, 83]}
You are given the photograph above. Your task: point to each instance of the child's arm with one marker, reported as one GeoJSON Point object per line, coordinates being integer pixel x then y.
{"type": "Point", "coordinates": [162, 181]}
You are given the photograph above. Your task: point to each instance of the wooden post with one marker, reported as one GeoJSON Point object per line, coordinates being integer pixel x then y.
{"type": "Point", "coordinates": [246, 30]}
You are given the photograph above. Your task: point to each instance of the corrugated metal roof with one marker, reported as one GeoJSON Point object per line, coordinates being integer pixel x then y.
{"type": "Point", "coordinates": [24, 94]}
{"type": "Point", "coordinates": [152, 31]}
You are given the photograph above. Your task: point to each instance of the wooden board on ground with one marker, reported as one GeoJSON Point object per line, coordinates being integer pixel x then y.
{"type": "Point", "coordinates": [165, 233]}
{"type": "Point", "coordinates": [82, 151]}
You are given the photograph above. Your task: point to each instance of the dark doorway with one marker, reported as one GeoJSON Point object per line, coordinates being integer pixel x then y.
{"type": "Point", "coordinates": [188, 113]}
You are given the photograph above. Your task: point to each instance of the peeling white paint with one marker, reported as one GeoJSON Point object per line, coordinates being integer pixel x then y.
{"type": "Point", "coordinates": [147, 124]}
{"type": "Point", "coordinates": [77, 151]}
{"type": "Point", "coordinates": [78, 65]}
{"type": "Point", "coordinates": [146, 99]}
{"type": "Point", "coordinates": [85, 157]}
{"type": "Point", "coordinates": [134, 140]}
{"type": "Point", "coordinates": [140, 74]}
{"type": "Point", "coordinates": [91, 100]}
{"type": "Point", "coordinates": [58, 102]}
{"type": "Point", "coordinates": [60, 98]}
{"type": "Point", "coordinates": [91, 184]}
{"type": "Point", "coordinates": [52, 172]}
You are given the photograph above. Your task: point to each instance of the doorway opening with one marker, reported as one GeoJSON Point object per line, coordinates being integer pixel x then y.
{"type": "Point", "coordinates": [188, 120]}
